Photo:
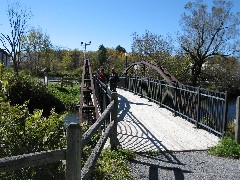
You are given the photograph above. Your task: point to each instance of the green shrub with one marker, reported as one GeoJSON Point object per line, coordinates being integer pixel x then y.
{"type": "Point", "coordinates": [231, 129]}
{"type": "Point", "coordinates": [113, 164]}
{"type": "Point", "coordinates": [227, 148]}
{"type": "Point", "coordinates": [69, 96]}
{"type": "Point", "coordinates": [25, 88]}
{"type": "Point", "coordinates": [23, 133]}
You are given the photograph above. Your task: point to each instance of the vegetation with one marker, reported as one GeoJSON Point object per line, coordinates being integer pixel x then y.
{"type": "Point", "coordinates": [113, 164]}
{"type": "Point", "coordinates": [18, 18]}
{"type": "Point", "coordinates": [24, 88]}
{"type": "Point", "coordinates": [69, 96]}
{"type": "Point", "coordinates": [208, 33]}
{"type": "Point", "coordinates": [23, 133]}
{"type": "Point", "coordinates": [227, 148]}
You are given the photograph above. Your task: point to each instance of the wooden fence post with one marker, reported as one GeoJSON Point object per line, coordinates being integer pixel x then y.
{"type": "Point", "coordinates": [114, 113]}
{"type": "Point", "coordinates": [73, 154]}
{"type": "Point", "coordinates": [237, 125]}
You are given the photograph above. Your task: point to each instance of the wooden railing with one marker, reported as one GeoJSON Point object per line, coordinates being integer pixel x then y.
{"type": "Point", "coordinates": [75, 144]}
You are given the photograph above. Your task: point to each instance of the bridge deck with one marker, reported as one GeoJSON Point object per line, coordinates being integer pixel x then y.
{"type": "Point", "coordinates": [144, 126]}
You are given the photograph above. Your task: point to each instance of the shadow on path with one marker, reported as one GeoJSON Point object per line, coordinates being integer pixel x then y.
{"type": "Point", "coordinates": [133, 135]}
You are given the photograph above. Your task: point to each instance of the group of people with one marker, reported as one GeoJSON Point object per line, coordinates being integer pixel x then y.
{"type": "Point", "coordinates": [113, 79]}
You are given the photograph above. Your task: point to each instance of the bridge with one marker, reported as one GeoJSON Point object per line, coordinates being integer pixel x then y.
{"type": "Point", "coordinates": [152, 114]}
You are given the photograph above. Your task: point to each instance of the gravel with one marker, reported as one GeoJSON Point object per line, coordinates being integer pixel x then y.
{"type": "Point", "coordinates": [184, 165]}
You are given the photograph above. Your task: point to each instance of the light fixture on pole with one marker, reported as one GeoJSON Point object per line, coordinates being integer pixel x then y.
{"type": "Point", "coordinates": [85, 47]}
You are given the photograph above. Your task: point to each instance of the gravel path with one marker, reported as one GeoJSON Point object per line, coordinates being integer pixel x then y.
{"type": "Point", "coordinates": [184, 166]}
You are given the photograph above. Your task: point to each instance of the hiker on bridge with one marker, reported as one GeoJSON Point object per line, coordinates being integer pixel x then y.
{"type": "Point", "coordinates": [114, 79]}
{"type": "Point", "coordinates": [102, 76]}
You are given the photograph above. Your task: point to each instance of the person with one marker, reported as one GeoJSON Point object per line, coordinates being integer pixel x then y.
{"type": "Point", "coordinates": [102, 76]}
{"type": "Point", "coordinates": [114, 79]}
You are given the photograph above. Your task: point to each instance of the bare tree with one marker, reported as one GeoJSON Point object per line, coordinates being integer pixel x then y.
{"type": "Point", "coordinates": [18, 18]}
{"type": "Point", "coordinates": [208, 32]}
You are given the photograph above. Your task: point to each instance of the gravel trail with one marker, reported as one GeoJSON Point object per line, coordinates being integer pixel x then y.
{"type": "Point", "coordinates": [196, 165]}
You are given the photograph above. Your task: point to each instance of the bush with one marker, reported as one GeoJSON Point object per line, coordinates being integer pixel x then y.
{"type": "Point", "coordinates": [25, 88]}
{"type": "Point", "coordinates": [113, 164]}
{"type": "Point", "coordinates": [23, 133]}
{"type": "Point", "coordinates": [227, 148]}
{"type": "Point", "coordinates": [69, 96]}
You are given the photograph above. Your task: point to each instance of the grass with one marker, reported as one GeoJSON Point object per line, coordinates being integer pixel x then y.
{"type": "Point", "coordinates": [228, 147]}
{"type": "Point", "coordinates": [113, 164]}
{"type": "Point", "coordinates": [68, 95]}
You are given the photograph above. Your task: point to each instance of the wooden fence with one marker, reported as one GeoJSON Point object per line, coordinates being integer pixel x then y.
{"type": "Point", "coordinates": [205, 108]}
{"type": "Point", "coordinates": [75, 143]}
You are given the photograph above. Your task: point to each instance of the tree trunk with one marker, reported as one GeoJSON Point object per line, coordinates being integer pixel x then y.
{"type": "Point", "coordinates": [196, 71]}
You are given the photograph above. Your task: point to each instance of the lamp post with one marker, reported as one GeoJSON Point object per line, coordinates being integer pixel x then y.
{"type": "Point", "coordinates": [85, 47]}
{"type": "Point", "coordinates": [126, 56]}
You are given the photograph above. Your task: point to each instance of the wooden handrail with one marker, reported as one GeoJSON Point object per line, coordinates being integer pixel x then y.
{"type": "Point", "coordinates": [92, 130]}
{"type": "Point", "coordinates": [32, 159]}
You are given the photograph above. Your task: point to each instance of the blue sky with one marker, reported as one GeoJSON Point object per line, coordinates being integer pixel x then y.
{"type": "Point", "coordinates": [107, 22]}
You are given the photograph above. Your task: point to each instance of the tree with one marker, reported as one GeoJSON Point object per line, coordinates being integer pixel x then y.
{"type": "Point", "coordinates": [102, 55]}
{"type": "Point", "coordinates": [152, 46]}
{"type": "Point", "coordinates": [120, 49]}
{"type": "Point", "coordinates": [18, 18]}
{"type": "Point", "coordinates": [208, 33]}
{"type": "Point", "coordinates": [37, 47]}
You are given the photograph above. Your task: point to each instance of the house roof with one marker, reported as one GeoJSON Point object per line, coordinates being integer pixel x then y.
{"type": "Point", "coordinates": [4, 52]}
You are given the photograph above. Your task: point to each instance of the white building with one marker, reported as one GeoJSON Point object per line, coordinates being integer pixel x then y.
{"type": "Point", "coordinates": [4, 58]}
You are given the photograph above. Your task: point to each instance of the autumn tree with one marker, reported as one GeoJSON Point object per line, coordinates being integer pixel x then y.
{"type": "Point", "coordinates": [102, 55]}
{"type": "Point", "coordinates": [18, 18]}
{"type": "Point", "coordinates": [208, 32]}
{"type": "Point", "coordinates": [36, 48]}
{"type": "Point", "coordinates": [152, 46]}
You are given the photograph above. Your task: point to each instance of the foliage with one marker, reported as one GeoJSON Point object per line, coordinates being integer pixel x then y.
{"type": "Point", "coordinates": [92, 143]}
{"type": "Point", "coordinates": [25, 88]}
{"type": "Point", "coordinates": [110, 164]}
{"type": "Point", "coordinates": [208, 32]}
{"type": "Point", "coordinates": [102, 55]}
{"type": "Point", "coordinates": [23, 133]}
{"type": "Point", "coordinates": [113, 164]}
{"type": "Point", "coordinates": [69, 96]}
{"type": "Point", "coordinates": [120, 49]}
{"type": "Point", "coordinates": [36, 45]}
{"type": "Point", "coordinates": [223, 74]}
{"type": "Point", "coordinates": [179, 66]}
{"type": "Point", "coordinates": [18, 18]}
{"type": "Point", "coordinates": [231, 129]}
{"type": "Point", "coordinates": [227, 148]}
{"type": "Point", "coordinates": [152, 47]}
